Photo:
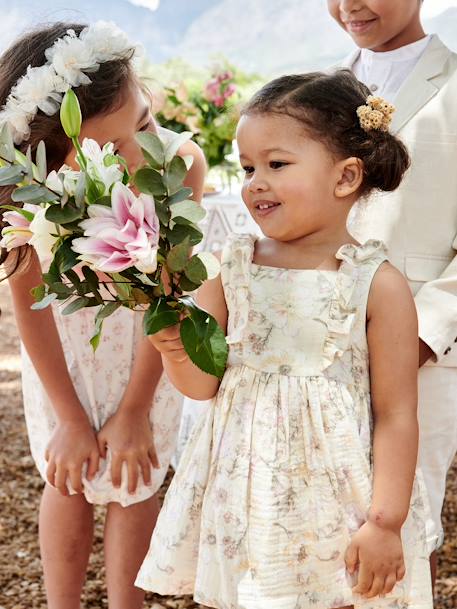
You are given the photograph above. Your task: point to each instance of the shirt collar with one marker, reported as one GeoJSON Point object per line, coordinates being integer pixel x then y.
{"type": "Point", "coordinates": [409, 52]}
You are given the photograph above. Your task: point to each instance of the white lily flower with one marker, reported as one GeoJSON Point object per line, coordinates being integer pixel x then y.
{"type": "Point", "coordinates": [44, 234]}
{"type": "Point", "coordinates": [96, 167]}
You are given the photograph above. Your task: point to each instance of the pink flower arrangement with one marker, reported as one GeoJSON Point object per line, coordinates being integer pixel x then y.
{"type": "Point", "coordinates": [220, 88]}
{"type": "Point", "coordinates": [121, 236]}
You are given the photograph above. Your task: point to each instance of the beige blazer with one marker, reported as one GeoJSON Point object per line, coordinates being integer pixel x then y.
{"type": "Point", "coordinates": [418, 221]}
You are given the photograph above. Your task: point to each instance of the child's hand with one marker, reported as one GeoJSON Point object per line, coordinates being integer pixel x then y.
{"type": "Point", "coordinates": [72, 444]}
{"type": "Point", "coordinates": [168, 343]}
{"type": "Point", "coordinates": [129, 437]}
{"type": "Point", "coordinates": [377, 553]}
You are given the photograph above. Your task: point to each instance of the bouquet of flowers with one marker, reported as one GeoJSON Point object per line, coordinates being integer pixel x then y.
{"type": "Point", "coordinates": [210, 113]}
{"type": "Point", "coordinates": [108, 246]}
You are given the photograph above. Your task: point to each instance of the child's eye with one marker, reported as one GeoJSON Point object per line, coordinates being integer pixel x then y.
{"type": "Point", "coordinates": [248, 169]}
{"type": "Point", "coordinates": [146, 126]}
{"type": "Point", "coordinates": [277, 164]}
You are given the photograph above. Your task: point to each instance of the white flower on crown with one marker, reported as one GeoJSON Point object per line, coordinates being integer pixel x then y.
{"type": "Point", "coordinates": [68, 61]}
{"type": "Point", "coordinates": [40, 88]}
{"type": "Point", "coordinates": [70, 58]}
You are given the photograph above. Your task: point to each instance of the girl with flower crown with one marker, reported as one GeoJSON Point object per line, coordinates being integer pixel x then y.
{"type": "Point", "coordinates": [297, 489]}
{"type": "Point", "coordinates": [102, 426]}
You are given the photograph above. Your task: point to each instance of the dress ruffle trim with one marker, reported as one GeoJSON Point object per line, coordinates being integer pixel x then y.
{"type": "Point", "coordinates": [236, 273]}
{"type": "Point", "coordinates": [342, 313]}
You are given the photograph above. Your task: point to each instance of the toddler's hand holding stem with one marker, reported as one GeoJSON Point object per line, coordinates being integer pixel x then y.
{"type": "Point", "coordinates": [168, 343]}
{"type": "Point", "coordinates": [377, 553]}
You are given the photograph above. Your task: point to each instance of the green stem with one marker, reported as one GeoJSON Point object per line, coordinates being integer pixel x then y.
{"type": "Point", "coordinates": [79, 150]}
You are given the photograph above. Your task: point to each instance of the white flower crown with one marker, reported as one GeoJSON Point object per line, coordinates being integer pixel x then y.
{"type": "Point", "coordinates": [68, 61]}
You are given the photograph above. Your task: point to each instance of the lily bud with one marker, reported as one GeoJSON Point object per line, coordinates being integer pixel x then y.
{"type": "Point", "coordinates": [70, 114]}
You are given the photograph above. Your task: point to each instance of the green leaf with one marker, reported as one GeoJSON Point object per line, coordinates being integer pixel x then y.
{"type": "Point", "coordinates": [28, 215]}
{"type": "Point", "coordinates": [73, 277]}
{"type": "Point", "coordinates": [159, 317]}
{"type": "Point", "coordinates": [189, 210]}
{"type": "Point", "coordinates": [76, 305]}
{"type": "Point", "coordinates": [41, 163]}
{"type": "Point", "coordinates": [152, 144]}
{"type": "Point", "coordinates": [163, 212]}
{"type": "Point", "coordinates": [186, 285]}
{"type": "Point", "coordinates": [181, 231]}
{"type": "Point", "coordinates": [140, 296]}
{"type": "Point", "coordinates": [96, 336]}
{"type": "Point", "coordinates": [32, 193]}
{"type": "Point", "coordinates": [29, 165]}
{"type": "Point", "coordinates": [175, 144]}
{"type": "Point", "coordinates": [174, 175]}
{"type": "Point", "coordinates": [94, 189]}
{"type": "Point", "coordinates": [195, 270]}
{"type": "Point", "coordinates": [52, 275]}
{"type": "Point", "coordinates": [122, 286]}
{"type": "Point", "coordinates": [108, 310]}
{"type": "Point", "coordinates": [46, 301]}
{"type": "Point", "coordinates": [70, 114]}
{"type": "Point", "coordinates": [181, 195]}
{"type": "Point", "coordinates": [150, 181]}
{"type": "Point", "coordinates": [39, 292]}
{"type": "Point", "coordinates": [178, 256]}
{"type": "Point", "coordinates": [61, 289]}
{"type": "Point", "coordinates": [65, 258]}
{"type": "Point", "coordinates": [204, 342]}
{"type": "Point", "coordinates": [91, 277]}
{"type": "Point", "coordinates": [12, 174]}
{"type": "Point", "coordinates": [211, 263]}
{"type": "Point", "coordinates": [7, 151]}
{"type": "Point", "coordinates": [80, 190]}
{"type": "Point", "coordinates": [63, 215]}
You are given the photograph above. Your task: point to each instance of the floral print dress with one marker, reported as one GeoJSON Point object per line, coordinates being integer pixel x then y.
{"type": "Point", "coordinates": [277, 475]}
{"type": "Point", "coordinates": [100, 380]}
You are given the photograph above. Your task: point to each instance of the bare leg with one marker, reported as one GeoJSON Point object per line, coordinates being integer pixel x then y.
{"type": "Point", "coordinates": [66, 531]}
{"type": "Point", "coordinates": [127, 535]}
{"type": "Point", "coordinates": [433, 567]}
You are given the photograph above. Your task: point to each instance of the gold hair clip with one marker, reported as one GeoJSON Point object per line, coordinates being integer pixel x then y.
{"type": "Point", "coordinates": [375, 114]}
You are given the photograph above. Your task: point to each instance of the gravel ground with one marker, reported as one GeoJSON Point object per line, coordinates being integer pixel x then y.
{"type": "Point", "coordinates": [20, 489]}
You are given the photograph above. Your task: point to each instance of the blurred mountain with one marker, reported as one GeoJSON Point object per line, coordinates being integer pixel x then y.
{"type": "Point", "coordinates": [264, 36]}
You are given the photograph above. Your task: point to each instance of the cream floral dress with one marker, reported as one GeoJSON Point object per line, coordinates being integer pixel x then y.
{"type": "Point", "coordinates": [100, 380]}
{"type": "Point", "coordinates": [276, 477]}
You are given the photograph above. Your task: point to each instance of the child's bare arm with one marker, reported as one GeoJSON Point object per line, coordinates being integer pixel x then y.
{"type": "Point", "coordinates": [393, 347]}
{"type": "Point", "coordinates": [74, 440]}
{"type": "Point", "coordinates": [185, 376]}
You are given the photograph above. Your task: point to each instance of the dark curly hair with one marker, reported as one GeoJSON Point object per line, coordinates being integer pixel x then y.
{"type": "Point", "coordinates": [326, 105]}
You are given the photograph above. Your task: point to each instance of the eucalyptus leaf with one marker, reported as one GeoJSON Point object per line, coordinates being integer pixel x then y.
{"type": "Point", "coordinates": [32, 193]}
{"type": "Point", "coordinates": [195, 270]}
{"type": "Point", "coordinates": [178, 256]}
{"type": "Point", "coordinates": [122, 286]}
{"type": "Point", "coordinates": [76, 305]}
{"type": "Point", "coordinates": [187, 285]}
{"type": "Point", "coordinates": [204, 342]}
{"type": "Point", "coordinates": [63, 215]}
{"type": "Point", "coordinates": [212, 264]}
{"type": "Point", "coordinates": [7, 151]}
{"type": "Point", "coordinates": [65, 258]}
{"type": "Point", "coordinates": [160, 316]}
{"type": "Point", "coordinates": [96, 336]}
{"type": "Point", "coordinates": [41, 163]}
{"type": "Point", "coordinates": [12, 174]}
{"type": "Point", "coordinates": [29, 165]}
{"type": "Point", "coordinates": [61, 289]}
{"type": "Point", "coordinates": [174, 175]}
{"type": "Point", "coordinates": [39, 292]}
{"type": "Point", "coordinates": [108, 309]}
{"type": "Point", "coordinates": [179, 232]}
{"type": "Point", "coordinates": [181, 195]}
{"type": "Point", "coordinates": [152, 144]}
{"type": "Point", "coordinates": [189, 210]}
{"type": "Point", "coordinates": [163, 212]}
{"type": "Point", "coordinates": [150, 182]}
{"type": "Point", "coordinates": [45, 302]}
{"type": "Point", "coordinates": [175, 144]}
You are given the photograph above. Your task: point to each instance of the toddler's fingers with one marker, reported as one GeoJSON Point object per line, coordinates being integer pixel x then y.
{"type": "Point", "coordinates": [93, 463]}
{"type": "Point", "coordinates": [75, 475]}
{"type": "Point", "coordinates": [389, 584]}
{"type": "Point", "coordinates": [132, 469]}
{"type": "Point", "coordinates": [51, 472]}
{"type": "Point", "coordinates": [401, 571]}
{"type": "Point", "coordinates": [364, 580]}
{"type": "Point", "coordinates": [376, 587]}
{"type": "Point", "coordinates": [101, 442]}
{"type": "Point", "coordinates": [61, 480]}
{"type": "Point", "coordinates": [116, 471]}
{"type": "Point", "coordinates": [351, 558]}
{"type": "Point", "coordinates": [154, 458]}
{"type": "Point", "coordinates": [146, 471]}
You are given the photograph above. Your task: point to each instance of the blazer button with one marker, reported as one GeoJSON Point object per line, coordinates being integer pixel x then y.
{"type": "Point", "coordinates": [448, 350]}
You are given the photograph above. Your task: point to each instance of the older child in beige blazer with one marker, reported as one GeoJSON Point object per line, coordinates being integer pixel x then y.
{"type": "Point", "coordinates": [418, 74]}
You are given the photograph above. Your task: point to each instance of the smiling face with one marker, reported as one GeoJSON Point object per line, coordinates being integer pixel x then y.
{"type": "Point", "coordinates": [120, 127]}
{"type": "Point", "coordinates": [292, 185]}
{"type": "Point", "coordinates": [379, 25]}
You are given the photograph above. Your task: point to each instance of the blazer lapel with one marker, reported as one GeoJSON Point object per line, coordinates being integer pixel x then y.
{"type": "Point", "coordinates": [422, 84]}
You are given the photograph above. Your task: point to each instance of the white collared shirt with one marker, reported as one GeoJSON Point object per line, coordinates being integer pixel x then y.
{"type": "Point", "coordinates": [384, 73]}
